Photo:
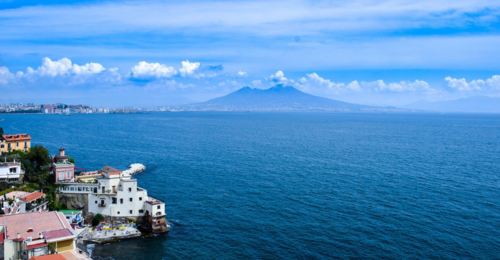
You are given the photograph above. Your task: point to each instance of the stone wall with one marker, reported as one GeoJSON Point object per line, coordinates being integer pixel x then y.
{"type": "Point", "coordinates": [74, 201]}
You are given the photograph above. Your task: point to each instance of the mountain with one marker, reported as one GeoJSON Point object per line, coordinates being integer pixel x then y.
{"type": "Point", "coordinates": [478, 104]}
{"type": "Point", "coordinates": [277, 98]}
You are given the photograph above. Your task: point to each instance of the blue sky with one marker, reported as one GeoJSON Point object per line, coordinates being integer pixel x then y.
{"type": "Point", "coordinates": [118, 53]}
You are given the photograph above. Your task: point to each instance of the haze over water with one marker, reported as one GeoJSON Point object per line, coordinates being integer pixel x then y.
{"type": "Point", "coordinates": [298, 185]}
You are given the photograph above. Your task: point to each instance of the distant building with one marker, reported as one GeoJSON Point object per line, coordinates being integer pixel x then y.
{"type": "Point", "coordinates": [62, 168]}
{"type": "Point", "coordinates": [15, 142]}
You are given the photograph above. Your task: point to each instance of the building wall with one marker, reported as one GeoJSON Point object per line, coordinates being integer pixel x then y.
{"type": "Point", "coordinates": [127, 201]}
{"type": "Point", "coordinates": [64, 169]}
{"type": "Point", "coordinates": [6, 173]}
{"type": "Point", "coordinates": [21, 145]}
{"type": "Point", "coordinates": [64, 245]}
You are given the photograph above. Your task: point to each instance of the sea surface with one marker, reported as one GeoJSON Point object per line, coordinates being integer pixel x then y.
{"type": "Point", "coordinates": [298, 185]}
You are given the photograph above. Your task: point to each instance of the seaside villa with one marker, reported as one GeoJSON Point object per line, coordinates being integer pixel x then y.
{"type": "Point", "coordinates": [111, 192]}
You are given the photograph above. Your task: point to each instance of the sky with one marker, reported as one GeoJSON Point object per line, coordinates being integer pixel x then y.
{"type": "Point", "coordinates": [158, 53]}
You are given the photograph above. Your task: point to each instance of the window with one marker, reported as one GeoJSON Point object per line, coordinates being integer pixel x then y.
{"type": "Point", "coordinates": [25, 144]}
{"type": "Point", "coordinates": [118, 213]}
{"type": "Point", "coordinates": [158, 207]}
{"type": "Point", "coordinates": [61, 175]}
{"type": "Point", "coordinates": [130, 211]}
{"type": "Point", "coordinates": [141, 211]}
{"type": "Point", "coordinates": [130, 199]}
{"type": "Point", "coordinates": [140, 198]}
{"type": "Point", "coordinates": [17, 144]}
{"type": "Point", "coordinates": [114, 201]}
{"type": "Point", "coordinates": [130, 189]}
{"type": "Point", "coordinates": [1, 146]}
{"type": "Point", "coordinates": [68, 175]}
{"type": "Point", "coordinates": [96, 202]}
{"type": "Point", "coordinates": [12, 170]}
{"type": "Point", "coordinates": [121, 201]}
{"type": "Point", "coordinates": [79, 188]}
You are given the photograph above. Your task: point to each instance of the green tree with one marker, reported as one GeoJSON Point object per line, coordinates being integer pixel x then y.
{"type": "Point", "coordinates": [71, 160]}
{"type": "Point", "coordinates": [39, 157]}
{"type": "Point", "coordinates": [1, 132]}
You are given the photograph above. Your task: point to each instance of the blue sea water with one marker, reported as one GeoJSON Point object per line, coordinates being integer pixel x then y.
{"type": "Point", "coordinates": [298, 185]}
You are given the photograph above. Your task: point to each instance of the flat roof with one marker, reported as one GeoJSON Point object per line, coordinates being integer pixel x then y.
{"type": "Point", "coordinates": [69, 211]}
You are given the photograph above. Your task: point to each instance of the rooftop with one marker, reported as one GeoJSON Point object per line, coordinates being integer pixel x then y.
{"type": "Point", "coordinates": [33, 223]}
{"type": "Point", "coordinates": [69, 211]}
{"type": "Point", "coordinates": [17, 137]}
{"type": "Point", "coordinates": [109, 170]}
{"type": "Point", "coordinates": [54, 234]}
{"type": "Point", "coordinates": [33, 196]}
{"type": "Point", "coordinates": [154, 201]}
{"type": "Point", "coordinates": [17, 194]}
{"type": "Point", "coordinates": [9, 164]}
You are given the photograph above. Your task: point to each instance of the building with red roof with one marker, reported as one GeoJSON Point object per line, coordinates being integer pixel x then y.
{"type": "Point", "coordinates": [35, 233]}
{"type": "Point", "coordinates": [14, 142]}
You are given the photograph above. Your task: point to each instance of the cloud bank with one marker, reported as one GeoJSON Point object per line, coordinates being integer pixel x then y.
{"type": "Point", "coordinates": [195, 79]}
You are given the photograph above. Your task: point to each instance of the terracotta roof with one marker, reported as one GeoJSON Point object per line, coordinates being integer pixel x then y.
{"type": "Point", "coordinates": [53, 234]}
{"type": "Point", "coordinates": [33, 196]}
{"type": "Point", "coordinates": [49, 257]}
{"type": "Point", "coordinates": [36, 222]}
{"type": "Point", "coordinates": [16, 137]}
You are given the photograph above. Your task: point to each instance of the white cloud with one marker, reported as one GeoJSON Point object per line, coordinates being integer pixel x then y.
{"type": "Point", "coordinates": [278, 77]}
{"type": "Point", "coordinates": [316, 84]}
{"type": "Point", "coordinates": [315, 79]}
{"type": "Point", "coordinates": [488, 85]}
{"type": "Point", "coordinates": [89, 68]}
{"type": "Point", "coordinates": [458, 84]}
{"type": "Point", "coordinates": [64, 66]}
{"type": "Point", "coordinates": [5, 75]}
{"type": "Point", "coordinates": [242, 74]}
{"type": "Point", "coordinates": [144, 70]}
{"type": "Point", "coordinates": [188, 68]}
{"type": "Point", "coordinates": [402, 86]}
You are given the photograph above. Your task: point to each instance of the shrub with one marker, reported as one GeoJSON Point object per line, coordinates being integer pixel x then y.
{"type": "Point", "coordinates": [96, 220]}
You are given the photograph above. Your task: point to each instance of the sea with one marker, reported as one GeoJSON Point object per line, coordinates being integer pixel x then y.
{"type": "Point", "coordinates": [297, 185]}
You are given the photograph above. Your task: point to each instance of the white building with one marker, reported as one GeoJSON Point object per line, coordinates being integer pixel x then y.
{"type": "Point", "coordinates": [23, 202]}
{"type": "Point", "coordinates": [11, 172]}
{"type": "Point", "coordinates": [117, 194]}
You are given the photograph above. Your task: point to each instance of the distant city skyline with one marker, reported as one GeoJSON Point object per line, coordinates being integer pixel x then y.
{"type": "Point", "coordinates": [151, 53]}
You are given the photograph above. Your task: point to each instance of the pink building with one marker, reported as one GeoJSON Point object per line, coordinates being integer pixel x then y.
{"type": "Point", "coordinates": [62, 168]}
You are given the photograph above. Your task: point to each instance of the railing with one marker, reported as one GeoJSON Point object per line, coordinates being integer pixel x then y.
{"type": "Point", "coordinates": [37, 251]}
{"type": "Point", "coordinates": [31, 206]}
